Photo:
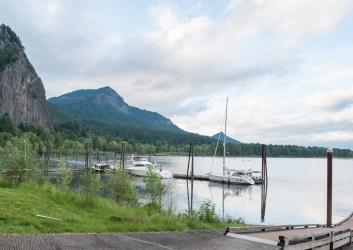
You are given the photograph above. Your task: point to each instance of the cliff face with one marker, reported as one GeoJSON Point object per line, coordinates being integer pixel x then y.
{"type": "Point", "coordinates": [22, 95]}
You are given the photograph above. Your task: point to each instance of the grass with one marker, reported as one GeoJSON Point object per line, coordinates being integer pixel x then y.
{"type": "Point", "coordinates": [20, 205]}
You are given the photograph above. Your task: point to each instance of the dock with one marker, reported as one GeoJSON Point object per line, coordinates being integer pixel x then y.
{"type": "Point", "coordinates": [188, 177]}
{"type": "Point", "coordinates": [203, 178]}
{"type": "Point", "coordinates": [308, 236]}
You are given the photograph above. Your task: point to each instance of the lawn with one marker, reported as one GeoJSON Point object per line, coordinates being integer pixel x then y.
{"type": "Point", "coordinates": [20, 206]}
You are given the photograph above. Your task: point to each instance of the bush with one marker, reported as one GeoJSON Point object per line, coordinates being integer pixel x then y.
{"type": "Point", "coordinates": [123, 190]}
{"type": "Point", "coordinates": [65, 175]}
{"type": "Point", "coordinates": [90, 186]}
{"type": "Point", "coordinates": [155, 188]}
{"type": "Point", "coordinates": [207, 212]}
{"type": "Point", "coordinates": [20, 163]}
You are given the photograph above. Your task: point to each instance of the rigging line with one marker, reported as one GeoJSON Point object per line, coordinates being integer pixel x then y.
{"type": "Point", "coordinates": [215, 152]}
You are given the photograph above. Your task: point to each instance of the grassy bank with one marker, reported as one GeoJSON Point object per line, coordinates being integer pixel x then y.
{"type": "Point", "coordinates": [20, 206]}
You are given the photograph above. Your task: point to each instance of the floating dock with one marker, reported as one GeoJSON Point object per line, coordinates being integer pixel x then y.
{"type": "Point", "coordinates": [203, 178]}
{"type": "Point", "coordinates": [188, 177]}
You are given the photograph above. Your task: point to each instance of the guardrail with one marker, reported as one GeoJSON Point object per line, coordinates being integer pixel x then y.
{"type": "Point", "coordinates": [333, 237]}
{"type": "Point", "coordinates": [329, 240]}
{"type": "Point", "coordinates": [258, 229]}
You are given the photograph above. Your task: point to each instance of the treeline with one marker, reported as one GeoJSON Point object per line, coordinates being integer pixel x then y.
{"type": "Point", "coordinates": [73, 140]}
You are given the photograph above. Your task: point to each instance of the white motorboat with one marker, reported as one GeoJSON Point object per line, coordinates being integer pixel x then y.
{"type": "Point", "coordinates": [229, 176]}
{"type": "Point", "coordinates": [102, 167]}
{"type": "Point", "coordinates": [140, 167]}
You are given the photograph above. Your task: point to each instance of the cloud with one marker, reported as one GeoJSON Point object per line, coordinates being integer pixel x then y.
{"type": "Point", "coordinates": [283, 63]}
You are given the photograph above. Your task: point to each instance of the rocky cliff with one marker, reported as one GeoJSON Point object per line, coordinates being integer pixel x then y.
{"type": "Point", "coordinates": [22, 95]}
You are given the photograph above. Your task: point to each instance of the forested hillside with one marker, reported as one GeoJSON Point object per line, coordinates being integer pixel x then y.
{"type": "Point", "coordinates": [72, 140]}
{"type": "Point", "coordinates": [104, 112]}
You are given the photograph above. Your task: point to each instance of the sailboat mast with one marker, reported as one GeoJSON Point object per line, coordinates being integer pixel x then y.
{"type": "Point", "coordinates": [225, 138]}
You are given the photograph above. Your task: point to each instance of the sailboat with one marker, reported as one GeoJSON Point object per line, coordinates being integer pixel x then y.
{"type": "Point", "coordinates": [230, 176]}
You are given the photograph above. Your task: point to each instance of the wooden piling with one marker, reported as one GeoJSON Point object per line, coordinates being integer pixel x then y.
{"type": "Point", "coordinates": [329, 188]}
{"type": "Point", "coordinates": [264, 164]}
{"type": "Point", "coordinates": [122, 156]}
{"type": "Point", "coordinates": [192, 175]}
{"type": "Point", "coordinates": [190, 162]}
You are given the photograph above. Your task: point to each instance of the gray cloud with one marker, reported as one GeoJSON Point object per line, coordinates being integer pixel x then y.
{"type": "Point", "coordinates": [183, 64]}
{"type": "Point", "coordinates": [341, 104]}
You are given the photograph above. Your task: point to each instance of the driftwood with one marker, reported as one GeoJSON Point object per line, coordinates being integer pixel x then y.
{"type": "Point", "coordinates": [47, 217]}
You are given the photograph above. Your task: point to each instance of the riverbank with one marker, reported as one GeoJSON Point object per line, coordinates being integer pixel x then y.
{"type": "Point", "coordinates": [46, 209]}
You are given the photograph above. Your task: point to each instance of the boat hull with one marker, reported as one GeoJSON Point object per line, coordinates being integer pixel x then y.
{"type": "Point", "coordinates": [231, 179]}
{"type": "Point", "coordinates": [142, 171]}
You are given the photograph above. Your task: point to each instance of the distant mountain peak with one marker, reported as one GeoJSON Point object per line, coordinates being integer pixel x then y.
{"type": "Point", "coordinates": [221, 136]}
{"type": "Point", "coordinates": [105, 104]}
{"type": "Point", "coordinates": [107, 90]}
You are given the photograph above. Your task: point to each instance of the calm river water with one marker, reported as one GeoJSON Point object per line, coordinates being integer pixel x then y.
{"type": "Point", "coordinates": [296, 190]}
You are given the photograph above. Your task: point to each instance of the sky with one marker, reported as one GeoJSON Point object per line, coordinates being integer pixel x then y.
{"type": "Point", "coordinates": [286, 65]}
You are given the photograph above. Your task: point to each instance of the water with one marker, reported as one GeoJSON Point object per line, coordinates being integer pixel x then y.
{"type": "Point", "coordinates": [296, 192]}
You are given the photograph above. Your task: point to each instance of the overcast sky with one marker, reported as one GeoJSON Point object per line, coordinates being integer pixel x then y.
{"type": "Point", "coordinates": [286, 65]}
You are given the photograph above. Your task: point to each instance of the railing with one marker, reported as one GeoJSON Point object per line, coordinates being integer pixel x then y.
{"type": "Point", "coordinates": [258, 229]}
{"type": "Point", "coordinates": [329, 240]}
{"type": "Point", "coordinates": [332, 238]}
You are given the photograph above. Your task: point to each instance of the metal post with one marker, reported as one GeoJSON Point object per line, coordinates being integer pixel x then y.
{"type": "Point", "coordinates": [329, 188]}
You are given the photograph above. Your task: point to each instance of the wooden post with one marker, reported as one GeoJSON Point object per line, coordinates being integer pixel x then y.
{"type": "Point", "coordinates": [329, 188]}
{"type": "Point", "coordinates": [123, 155]}
{"type": "Point", "coordinates": [87, 154]}
{"type": "Point", "coordinates": [190, 159]}
{"type": "Point", "coordinates": [192, 176]}
{"type": "Point", "coordinates": [264, 164]}
{"type": "Point", "coordinates": [188, 168]}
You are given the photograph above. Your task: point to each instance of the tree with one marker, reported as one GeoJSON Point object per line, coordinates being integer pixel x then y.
{"type": "Point", "coordinates": [122, 188]}
{"type": "Point", "coordinates": [90, 186]}
{"type": "Point", "coordinates": [154, 188]}
{"type": "Point", "coordinates": [21, 162]}
{"type": "Point", "coordinates": [65, 174]}
{"type": "Point", "coordinates": [6, 125]}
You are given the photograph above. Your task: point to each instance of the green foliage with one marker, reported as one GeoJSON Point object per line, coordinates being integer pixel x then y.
{"type": "Point", "coordinates": [6, 125]}
{"type": "Point", "coordinates": [65, 174]}
{"type": "Point", "coordinates": [8, 53]}
{"type": "Point", "coordinates": [122, 188]}
{"type": "Point", "coordinates": [207, 212]}
{"type": "Point", "coordinates": [90, 186]}
{"type": "Point", "coordinates": [155, 188]}
{"type": "Point", "coordinates": [19, 162]}
{"type": "Point", "coordinates": [103, 216]}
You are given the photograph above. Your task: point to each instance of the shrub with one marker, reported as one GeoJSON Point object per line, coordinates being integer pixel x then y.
{"type": "Point", "coordinates": [90, 186]}
{"type": "Point", "coordinates": [122, 188]}
{"type": "Point", "coordinates": [20, 163]}
{"type": "Point", "coordinates": [155, 188]}
{"type": "Point", "coordinates": [65, 175]}
{"type": "Point", "coordinates": [207, 212]}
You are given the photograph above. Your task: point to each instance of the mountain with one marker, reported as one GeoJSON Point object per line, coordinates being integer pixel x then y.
{"type": "Point", "coordinates": [221, 136]}
{"type": "Point", "coordinates": [22, 95]}
{"type": "Point", "coordinates": [104, 104]}
{"type": "Point", "coordinates": [104, 111]}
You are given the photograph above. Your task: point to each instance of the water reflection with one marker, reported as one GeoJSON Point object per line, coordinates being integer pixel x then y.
{"type": "Point", "coordinates": [263, 200]}
{"type": "Point", "coordinates": [296, 191]}
{"type": "Point", "coordinates": [229, 193]}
